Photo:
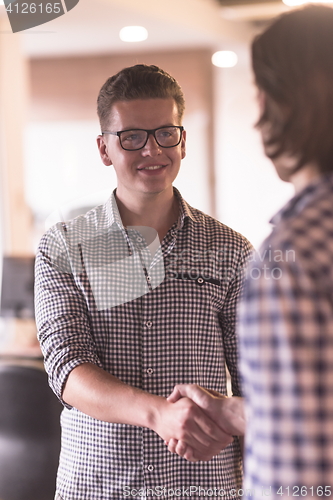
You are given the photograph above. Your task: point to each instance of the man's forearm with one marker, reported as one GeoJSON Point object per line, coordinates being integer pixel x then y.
{"type": "Point", "coordinates": [101, 395]}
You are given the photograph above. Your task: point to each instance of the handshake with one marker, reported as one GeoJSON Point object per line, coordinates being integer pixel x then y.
{"type": "Point", "coordinates": [198, 423]}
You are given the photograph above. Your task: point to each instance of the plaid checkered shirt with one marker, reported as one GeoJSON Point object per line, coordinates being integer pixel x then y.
{"type": "Point", "coordinates": [152, 322]}
{"type": "Point", "coordinates": [286, 345]}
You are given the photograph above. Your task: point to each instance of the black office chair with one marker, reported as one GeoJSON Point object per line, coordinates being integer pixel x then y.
{"type": "Point", "coordinates": [29, 434]}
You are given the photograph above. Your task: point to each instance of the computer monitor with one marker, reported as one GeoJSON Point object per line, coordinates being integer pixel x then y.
{"type": "Point", "coordinates": [17, 291]}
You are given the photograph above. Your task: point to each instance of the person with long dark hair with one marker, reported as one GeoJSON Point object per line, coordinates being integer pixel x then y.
{"type": "Point", "coordinates": [286, 315]}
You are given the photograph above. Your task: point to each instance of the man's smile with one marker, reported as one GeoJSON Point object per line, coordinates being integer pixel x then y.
{"type": "Point", "coordinates": [152, 167]}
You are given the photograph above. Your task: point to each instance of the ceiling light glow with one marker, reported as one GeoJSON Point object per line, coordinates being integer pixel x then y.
{"type": "Point", "coordinates": [296, 3]}
{"type": "Point", "coordinates": [224, 59]}
{"type": "Point", "coordinates": [133, 34]}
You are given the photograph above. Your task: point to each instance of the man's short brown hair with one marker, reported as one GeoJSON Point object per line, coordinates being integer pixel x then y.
{"type": "Point", "coordinates": [293, 64]}
{"type": "Point", "coordinates": [138, 82]}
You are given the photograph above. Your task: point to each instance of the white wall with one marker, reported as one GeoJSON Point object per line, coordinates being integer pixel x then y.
{"type": "Point", "coordinates": [248, 189]}
{"type": "Point", "coordinates": [63, 165]}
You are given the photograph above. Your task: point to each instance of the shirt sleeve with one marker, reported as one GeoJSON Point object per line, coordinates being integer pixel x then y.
{"type": "Point", "coordinates": [61, 313]}
{"type": "Point", "coordinates": [236, 264]}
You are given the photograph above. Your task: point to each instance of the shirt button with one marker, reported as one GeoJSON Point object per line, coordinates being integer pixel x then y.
{"type": "Point", "coordinates": [150, 468]}
{"type": "Point", "coordinates": [200, 281]}
{"type": "Point", "coordinates": [150, 371]}
{"type": "Point", "coordinates": [139, 239]}
{"type": "Point", "coordinates": [148, 279]}
{"type": "Point", "coordinates": [149, 324]}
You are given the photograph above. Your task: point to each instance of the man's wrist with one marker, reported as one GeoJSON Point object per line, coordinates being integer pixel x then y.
{"type": "Point", "coordinates": [153, 411]}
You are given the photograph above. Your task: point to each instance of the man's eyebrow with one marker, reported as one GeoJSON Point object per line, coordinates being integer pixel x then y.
{"type": "Point", "coordinates": [160, 126]}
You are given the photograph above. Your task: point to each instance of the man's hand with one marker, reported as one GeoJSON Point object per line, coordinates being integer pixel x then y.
{"type": "Point", "coordinates": [196, 435]}
{"type": "Point", "coordinates": [227, 413]}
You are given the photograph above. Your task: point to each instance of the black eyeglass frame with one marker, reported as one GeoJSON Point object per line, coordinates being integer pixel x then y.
{"type": "Point", "coordinates": [149, 132]}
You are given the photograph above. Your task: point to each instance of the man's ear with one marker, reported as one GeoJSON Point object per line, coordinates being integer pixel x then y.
{"type": "Point", "coordinates": [102, 148]}
{"type": "Point", "coordinates": [183, 144]}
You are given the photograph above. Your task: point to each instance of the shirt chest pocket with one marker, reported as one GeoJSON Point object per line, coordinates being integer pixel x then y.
{"type": "Point", "coordinates": [198, 288]}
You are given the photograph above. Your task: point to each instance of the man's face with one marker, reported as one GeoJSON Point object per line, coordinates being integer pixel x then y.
{"type": "Point", "coordinates": [152, 169]}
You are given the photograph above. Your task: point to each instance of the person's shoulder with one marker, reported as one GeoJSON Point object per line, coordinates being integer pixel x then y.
{"type": "Point", "coordinates": [80, 227]}
{"type": "Point", "coordinates": [302, 244]}
{"type": "Point", "coordinates": [89, 221]}
{"type": "Point", "coordinates": [311, 228]}
{"type": "Point", "coordinates": [66, 236]}
{"type": "Point", "coordinates": [316, 216]}
{"type": "Point", "coordinates": [217, 229]}
{"type": "Point", "coordinates": [62, 242]}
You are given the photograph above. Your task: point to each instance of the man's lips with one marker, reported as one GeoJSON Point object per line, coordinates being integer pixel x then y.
{"type": "Point", "coordinates": [151, 167]}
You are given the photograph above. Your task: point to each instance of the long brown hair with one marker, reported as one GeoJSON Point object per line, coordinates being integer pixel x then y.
{"type": "Point", "coordinates": [292, 62]}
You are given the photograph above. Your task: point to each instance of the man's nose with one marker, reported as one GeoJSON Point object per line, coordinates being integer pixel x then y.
{"type": "Point", "coordinates": [151, 147]}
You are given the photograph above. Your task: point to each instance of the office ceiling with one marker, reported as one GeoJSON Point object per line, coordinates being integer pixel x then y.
{"type": "Point", "coordinates": [232, 3]}
{"type": "Point", "coordinates": [256, 12]}
{"type": "Point", "coordinates": [93, 25]}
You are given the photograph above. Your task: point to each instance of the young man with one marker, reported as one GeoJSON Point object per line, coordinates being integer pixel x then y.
{"type": "Point", "coordinates": [286, 317]}
{"type": "Point", "coordinates": [135, 296]}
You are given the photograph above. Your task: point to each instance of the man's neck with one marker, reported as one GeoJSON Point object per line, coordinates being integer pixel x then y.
{"type": "Point", "coordinates": [158, 211]}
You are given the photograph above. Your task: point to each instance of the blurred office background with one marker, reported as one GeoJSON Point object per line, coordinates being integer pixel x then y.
{"type": "Point", "coordinates": [50, 76]}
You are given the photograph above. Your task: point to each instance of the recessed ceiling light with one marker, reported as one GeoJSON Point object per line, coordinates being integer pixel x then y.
{"type": "Point", "coordinates": [224, 59]}
{"type": "Point", "coordinates": [133, 34]}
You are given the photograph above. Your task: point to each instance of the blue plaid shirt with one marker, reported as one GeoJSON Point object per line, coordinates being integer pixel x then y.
{"type": "Point", "coordinates": [286, 345]}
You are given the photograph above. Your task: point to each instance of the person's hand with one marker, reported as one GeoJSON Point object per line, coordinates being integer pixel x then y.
{"type": "Point", "coordinates": [227, 412]}
{"type": "Point", "coordinates": [189, 431]}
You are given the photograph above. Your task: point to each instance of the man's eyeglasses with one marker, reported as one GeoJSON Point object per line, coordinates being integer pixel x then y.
{"type": "Point", "coordinates": [132, 140]}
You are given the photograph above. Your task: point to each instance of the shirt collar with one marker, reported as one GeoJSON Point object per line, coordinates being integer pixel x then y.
{"type": "Point", "coordinates": [113, 215]}
{"type": "Point", "coordinates": [185, 211]}
{"type": "Point", "coordinates": [314, 190]}
{"type": "Point", "coordinates": [112, 211]}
